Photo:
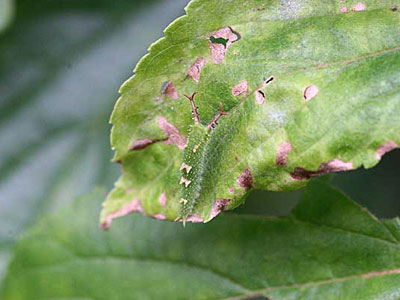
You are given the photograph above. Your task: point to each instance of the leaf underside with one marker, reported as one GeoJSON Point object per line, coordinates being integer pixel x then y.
{"type": "Point", "coordinates": [333, 104]}
{"type": "Point", "coordinates": [328, 248]}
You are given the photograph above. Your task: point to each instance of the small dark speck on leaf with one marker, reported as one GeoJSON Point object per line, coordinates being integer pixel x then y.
{"type": "Point", "coordinates": [269, 80]}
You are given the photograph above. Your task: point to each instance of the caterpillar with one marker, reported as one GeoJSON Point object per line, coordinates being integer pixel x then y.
{"type": "Point", "coordinates": [192, 167]}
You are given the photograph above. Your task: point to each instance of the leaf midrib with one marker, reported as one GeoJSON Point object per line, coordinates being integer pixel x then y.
{"type": "Point", "coordinates": [81, 259]}
{"type": "Point", "coordinates": [319, 282]}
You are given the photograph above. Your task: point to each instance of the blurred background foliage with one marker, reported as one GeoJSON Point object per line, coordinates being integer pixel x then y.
{"type": "Point", "coordinates": [61, 64]}
{"type": "Point", "coordinates": [6, 13]}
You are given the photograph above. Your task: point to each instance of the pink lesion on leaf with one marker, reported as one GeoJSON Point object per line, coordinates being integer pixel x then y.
{"type": "Point", "coordinates": [334, 165]}
{"type": "Point", "coordinates": [131, 207]}
{"type": "Point", "coordinates": [343, 9]}
{"type": "Point", "coordinates": [240, 88]}
{"type": "Point", "coordinates": [173, 135]}
{"type": "Point", "coordinates": [195, 69]}
{"type": "Point", "coordinates": [194, 219]}
{"type": "Point", "coordinates": [283, 152]}
{"type": "Point", "coordinates": [168, 89]}
{"type": "Point", "coordinates": [159, 216]}
{"type": "Point", "coordinates": [260, 97]}
{"type": "Point", "coordinates": [162, 200]}
{"type": "Point", "coordinates": [231, 190]}
{"type": "Point", "coordinates": [360, 6]}
{"type": "Point", "coordinates": [218, 50]}
{"type": "Point", "coordinates": [218, 206]}
{"type": "Point", "coordinates": [310, 92]}
{"type": "Point", "coordinates": [245, 180]}
{"type": "Point", "coordinates": [140, 144]}
{"type": "Point", "coordinates": [385, 148]}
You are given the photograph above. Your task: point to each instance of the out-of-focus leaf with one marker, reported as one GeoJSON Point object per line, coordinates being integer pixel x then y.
{"type": "Point", "coordinates": [6, 13]}
{"type": "Point", "coordinates": [61, 63]}
{"type": "Point", "coordinates": [329, 248]}
{"type": "Point", "coordinates": [380, 182]}
{"type": "Point", "coordinates": [334, 104]}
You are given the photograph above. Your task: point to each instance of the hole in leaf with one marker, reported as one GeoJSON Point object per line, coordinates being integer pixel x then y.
{"type": "Point", "coordinates": [219, 40]}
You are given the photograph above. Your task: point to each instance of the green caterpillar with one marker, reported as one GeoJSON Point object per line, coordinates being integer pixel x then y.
{"type": "Point", "coordinates": [192, 167]}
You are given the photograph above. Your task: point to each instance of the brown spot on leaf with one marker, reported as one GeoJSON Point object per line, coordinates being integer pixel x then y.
{"type": "Point", "coordinates": [168, 89]}
{"type": "Point", "coordinates": [218, 206]}
{"type": "Point", "coordinates": [245, 180]}
{"type": "Point", "coordinates": [360, 6]}
{"type": "Point", "coordinates": [173, 135]}
{"type": "Point", "coordinates": [343, 9]}
{"type": "Point", "coordinates": [385, 148]}
{"type": "Point", "coordinates": [260, 97]}
{"type": "Point", "coordinates": [394, 9]}
{"type": "Point", "coordinates": [220, 41]}
{"type": "Point", "coordinates": [162, 200]}
{"type": "Point", "coordinates": [195, 69]}
{"type": "Point", "coordinates": [133, 206]}
{"type": "Point", "coordinates": [283, 152]}
{"type": "Point", "coordinates": [335, 165]}
{"type": "Point", "coordinates": [310, 92]}
{"type": "Point", "coordinates": [240, 88]}
{"type": "Point", "coordinates": [141, 144]}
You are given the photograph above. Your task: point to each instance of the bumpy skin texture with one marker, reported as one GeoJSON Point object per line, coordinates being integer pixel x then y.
{"type": "Point", "coordinates": [332, 106]}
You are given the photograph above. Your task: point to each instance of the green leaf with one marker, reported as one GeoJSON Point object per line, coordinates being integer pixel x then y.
{"type": "Point", "coordinates": [60, 68]}
{"type": "Point", "coordinates": [6, 13]}
{"type": "Point", "coordinates": [333, 105]}
{"type": "Point", "coordinates": [328, 248]}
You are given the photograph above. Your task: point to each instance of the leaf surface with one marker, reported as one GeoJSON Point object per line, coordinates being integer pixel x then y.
{"type": "Point", "coordinates": [328, 248]}
{"type": "Point", "coordinates": [333, 104]}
